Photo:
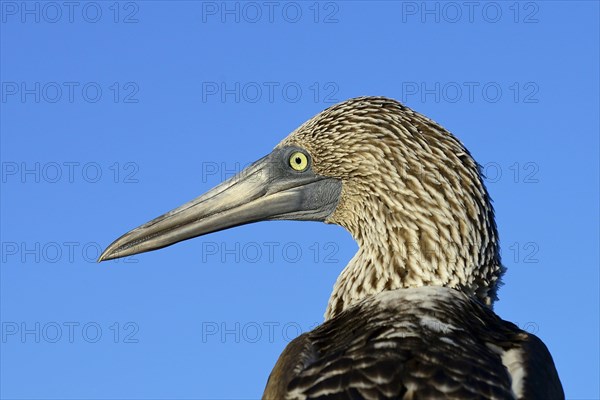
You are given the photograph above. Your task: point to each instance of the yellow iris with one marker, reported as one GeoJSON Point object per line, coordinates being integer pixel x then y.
{"type": "Point", "coordinates": [298, 161]}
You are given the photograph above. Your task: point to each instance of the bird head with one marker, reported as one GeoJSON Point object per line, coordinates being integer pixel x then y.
{"type": "Point", "coordinates": [405, 188]}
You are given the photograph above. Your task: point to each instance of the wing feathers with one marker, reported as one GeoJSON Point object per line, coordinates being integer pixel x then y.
{"type": "Point", "coordinates": [422, 343]}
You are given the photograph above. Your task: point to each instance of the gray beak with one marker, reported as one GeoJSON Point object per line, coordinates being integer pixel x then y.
{"type": "Point", "coordinates": [269, 189]}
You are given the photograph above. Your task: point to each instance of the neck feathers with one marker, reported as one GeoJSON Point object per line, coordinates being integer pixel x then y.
{"type": "Point", "coordinates": [395, 262]}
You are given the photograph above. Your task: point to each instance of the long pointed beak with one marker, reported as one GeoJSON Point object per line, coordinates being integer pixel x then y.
{"type": "Point", "coordinates": [266, 190]}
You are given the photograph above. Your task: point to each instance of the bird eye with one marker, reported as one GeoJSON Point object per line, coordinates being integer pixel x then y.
{"type": "Point", "coordinates": [298, 161]}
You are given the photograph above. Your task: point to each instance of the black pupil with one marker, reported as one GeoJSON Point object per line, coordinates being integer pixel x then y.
{"type": "Point", "coordinates": [298, 160]}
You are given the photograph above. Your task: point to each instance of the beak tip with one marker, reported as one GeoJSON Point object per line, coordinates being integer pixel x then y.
{"type": "Point", "coordinates": [108, 254]}
{"type": "Point", "coordinates": [103, 257]}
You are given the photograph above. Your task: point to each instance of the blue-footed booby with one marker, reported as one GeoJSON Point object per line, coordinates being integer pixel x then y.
{"type": "Point", "coordinates": [410, 316]}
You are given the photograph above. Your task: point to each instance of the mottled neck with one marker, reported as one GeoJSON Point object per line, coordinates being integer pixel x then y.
{"type": "Point", "coordinates": [376, 267]}
{"type": "Point", "coordinates": [361, 278]}
{"type": "Point", "coordinates": [393, 257]}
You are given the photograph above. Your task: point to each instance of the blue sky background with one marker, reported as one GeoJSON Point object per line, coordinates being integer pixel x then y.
{"type": "Point", "coordinates": [113, 113]}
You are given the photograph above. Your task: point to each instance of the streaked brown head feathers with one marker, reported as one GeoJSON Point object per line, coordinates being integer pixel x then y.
{"type": "Point", "coordinates": [412, 197]}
